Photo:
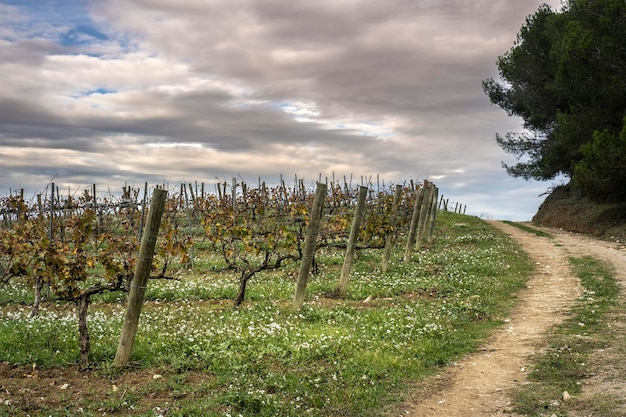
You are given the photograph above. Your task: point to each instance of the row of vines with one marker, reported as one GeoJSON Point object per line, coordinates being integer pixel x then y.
{"type": "Point", "coordinates": [72, 248]}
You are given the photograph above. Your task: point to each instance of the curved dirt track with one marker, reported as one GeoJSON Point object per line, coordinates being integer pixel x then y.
{"type": "Point", "coordinates": [477, 386]}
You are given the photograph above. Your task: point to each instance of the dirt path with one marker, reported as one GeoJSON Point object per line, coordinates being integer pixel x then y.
{"type": "Point", "coordinates": [477, 386]}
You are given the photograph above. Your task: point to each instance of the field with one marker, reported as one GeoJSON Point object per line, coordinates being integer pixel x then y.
{"type": "Point", "coordinates": [197, 355]}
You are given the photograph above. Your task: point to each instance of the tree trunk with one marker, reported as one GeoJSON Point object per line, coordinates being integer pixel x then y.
{"type": "Point", "coordinates": [246, 275]}
{"type": "Point", "coordinates": [34, 311]}
{"type": "Point", "coordinates": [83, 332]}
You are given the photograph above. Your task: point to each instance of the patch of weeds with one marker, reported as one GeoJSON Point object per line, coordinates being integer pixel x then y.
{"type": "Point", "coordinates": [531, 401]}
{"type": "Point", "coordinates": [121, 400]}
{"type": "Point", "coordinates": [564, 363]}
{"type": "Point", "coordinates": [528, 229]}
{"type": "Point", "coordinates": [597, 278]}
{"type": "Point", "coordinates": [604, 404]}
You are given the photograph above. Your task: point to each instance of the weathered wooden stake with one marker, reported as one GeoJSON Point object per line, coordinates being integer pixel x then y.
{"type": "Point", "coordinates": [391, 236]}
{"type": "Point", "coordinates": [433, 215]}
{"type": "Point", "coordinates": [233, 193]}
{"type": "Point", "coordinates": [309, 245]}
{"type": "Point", "coordinates": [352, 240]}
{"type": "Point", "coordinates": [192, 194]}
{"type": "Point", "coordinates": [140, 280]}
{"type": "Point", "coordinates": [50, 230]}
{"type": "Point", "coordinates": [410, 243]}
{"type": "Point", "coordinates": [189, 223]}
{"type": "Point", "coordinates": [424, 213]}
{"type": "Point", "coordinates": [40, 206]}
{"type": "Point", "coordinates": [143, 210]}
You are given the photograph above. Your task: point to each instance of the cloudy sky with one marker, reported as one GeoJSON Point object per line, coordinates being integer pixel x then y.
{"type": "Point", "coordinates": [128, 91]}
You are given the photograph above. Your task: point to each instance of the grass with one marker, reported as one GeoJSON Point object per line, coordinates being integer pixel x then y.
{"type": "Point", "coordinates": [528, 229]}
{"type": "Point", "coordinates": [340, 357]}
{"type": "Point", "coordinates": [565, 362]}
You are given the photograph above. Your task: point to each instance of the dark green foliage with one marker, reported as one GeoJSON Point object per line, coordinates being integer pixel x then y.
{"type": "Point", "coordinates": [565, 77]}
{"type": "Point", "coordinates": [601, 173]}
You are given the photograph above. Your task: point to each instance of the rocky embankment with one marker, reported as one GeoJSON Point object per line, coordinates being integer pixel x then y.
{"type": "Point", "coordinates": [564, 210]}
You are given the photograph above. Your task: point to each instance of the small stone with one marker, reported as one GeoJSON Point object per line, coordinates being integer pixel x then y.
{"type": "Point", "coordinates": [566, 396]}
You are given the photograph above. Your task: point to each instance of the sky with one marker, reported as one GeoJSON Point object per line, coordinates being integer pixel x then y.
{"type": "Point", "coordinates": [115, 92]}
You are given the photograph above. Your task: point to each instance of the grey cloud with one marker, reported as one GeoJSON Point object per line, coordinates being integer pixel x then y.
{"type": "Point", "coordinates": [402, 69]}
{"type": "Point", "coordinates": [30, 52]}
{"type": "Point", "coordinates": [412, 67]}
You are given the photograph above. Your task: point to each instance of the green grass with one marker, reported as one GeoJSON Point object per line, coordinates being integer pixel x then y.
{"type": "Point", "coordinates": [339, 357]}
{"type": "Point", "coordinates": [564, 363]}
{"type": "Point", "coordinates": [528, 229]}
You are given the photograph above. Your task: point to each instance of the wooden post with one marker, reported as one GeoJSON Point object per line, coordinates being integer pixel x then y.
{"type": "Point", "coordinates": [244, 193]}
{"type": "Point", "coordinates": [51, 212]}
{"type": "Point", "coordinates": [143, 210]}
{"type": "Point", "coordinates": [389, 239]}
{"type": "Point", "coordinates": [377, 184]}
{"type": "Point", "coordinates": [21, 215]}
{"type": "Point", "coordinates": [140, 280]}
{"type": "Point", "coordinates": [233, 193]}
{"type": "Point", "coordinates": [433, 215]}
{"type": "Point", "coordinates": [410, 243]}
{"type": "Point", "coordinates": [189, 223]}
{"type": "Point", "coordinates": [192, 194]}
{"type": "Point", "coordinates": [424, 213]}
{"type": "Point", "coordinates": [309, 245]}
{"type": "Point", "coordinates": [40, 206]}
{"type": "Point", "coordinates": [38, 283]}
{"type": "Point", "coordinates": [354, 236]}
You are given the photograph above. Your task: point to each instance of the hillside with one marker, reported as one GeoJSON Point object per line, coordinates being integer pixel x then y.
{"type": "Point", "coordinates": [565, 210]}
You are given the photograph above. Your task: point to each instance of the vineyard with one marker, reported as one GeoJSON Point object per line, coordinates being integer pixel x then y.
{"type": "Point", "coordinates": [255, 287]}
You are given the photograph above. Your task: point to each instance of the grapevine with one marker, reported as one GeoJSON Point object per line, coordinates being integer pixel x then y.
{"type": "Point", "coordinates": [86, 246]}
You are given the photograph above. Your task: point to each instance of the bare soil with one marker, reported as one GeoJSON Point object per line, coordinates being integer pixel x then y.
{"type": "Point", "coordinates": [478, 386]}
